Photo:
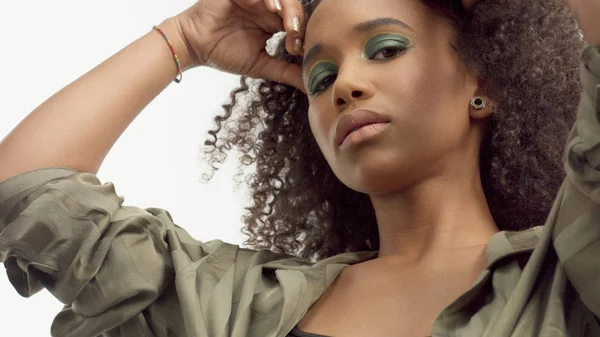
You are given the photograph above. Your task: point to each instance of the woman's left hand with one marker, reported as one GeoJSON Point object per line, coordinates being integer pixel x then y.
{"type": "Point", "coordinates": [586, 13]}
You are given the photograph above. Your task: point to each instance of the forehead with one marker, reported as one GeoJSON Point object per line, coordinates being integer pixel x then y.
{"type": "Point", "coordinates": [337, 17]}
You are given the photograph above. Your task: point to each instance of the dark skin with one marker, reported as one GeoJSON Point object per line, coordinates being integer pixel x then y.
{"type": "Point", "coordinates": [422, 172]}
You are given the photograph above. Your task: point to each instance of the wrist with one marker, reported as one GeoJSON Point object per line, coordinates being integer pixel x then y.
{"type": "Point", "coordinates": [172, 28]}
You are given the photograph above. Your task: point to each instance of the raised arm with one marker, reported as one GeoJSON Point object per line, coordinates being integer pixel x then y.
{"type": "Point", "coordinates": [78, 125]}
{"type": "Point", "coordinates": [114, 266]}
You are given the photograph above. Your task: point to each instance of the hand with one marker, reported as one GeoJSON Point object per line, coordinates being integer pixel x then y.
{"type": "Point", "coordinates": [586, 13]}
{"type": "Point", "coordinates": [231, 36]}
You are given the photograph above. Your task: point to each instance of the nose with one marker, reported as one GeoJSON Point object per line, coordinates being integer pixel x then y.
{"type": "Point", "coordinates": [350, 86]}
{"type": "Point", "coordinates": [356, 94]}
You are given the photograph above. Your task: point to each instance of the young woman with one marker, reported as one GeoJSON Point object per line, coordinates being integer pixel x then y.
{"type": "Point", "coordinates": [412, 177]}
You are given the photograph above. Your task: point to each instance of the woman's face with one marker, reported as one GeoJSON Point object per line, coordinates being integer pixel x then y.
{"type": "Point", "coordinates": [407, 72]}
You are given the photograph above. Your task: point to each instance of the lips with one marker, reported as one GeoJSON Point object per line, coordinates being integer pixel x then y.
{"type": "Point", "coordinates": [355, 120]}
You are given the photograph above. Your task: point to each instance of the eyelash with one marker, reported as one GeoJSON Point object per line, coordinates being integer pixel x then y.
{"type": "Point", "coordinates": [399, 50]}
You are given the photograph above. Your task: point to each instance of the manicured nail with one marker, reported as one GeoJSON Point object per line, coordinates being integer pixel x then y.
{"type": "Point", "coordinates": [296, 24]}
{"type": "Point", "coordinates": [278, 5]}
{"type": "Point", "coordinates": [298, 45]}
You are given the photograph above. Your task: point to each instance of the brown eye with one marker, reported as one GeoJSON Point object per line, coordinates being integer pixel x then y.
{"type": "Point", "coordinates": [386, 52]}
{"type": "Point", "coordinates": [389, 52]}
{"type": "Point", "coordinates": [325, 83]}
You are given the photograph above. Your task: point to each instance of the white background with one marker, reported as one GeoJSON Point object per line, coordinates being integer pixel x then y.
{"type": "Point", "coordinates": [157, 162]}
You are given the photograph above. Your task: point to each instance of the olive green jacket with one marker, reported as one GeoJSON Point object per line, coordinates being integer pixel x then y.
{"type": "Point", "coordinates": [126, 271]}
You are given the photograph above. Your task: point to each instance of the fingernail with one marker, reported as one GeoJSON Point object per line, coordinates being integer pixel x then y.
{"type": "Point", "coordinates": [278, 5]}
{"type": "Point", "coordinates": [296, 24]}
{"type": "Point", "coordinates": [298, 45]}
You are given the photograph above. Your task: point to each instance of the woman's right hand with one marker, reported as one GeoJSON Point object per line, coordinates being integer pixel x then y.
{"type": "Point", "coordinates": [231, 36]}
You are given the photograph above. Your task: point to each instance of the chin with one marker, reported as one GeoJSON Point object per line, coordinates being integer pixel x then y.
{"type": "Point", "coordinates": [378, 175]}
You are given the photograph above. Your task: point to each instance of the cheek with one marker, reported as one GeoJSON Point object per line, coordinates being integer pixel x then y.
{"type": "Point", "coordinates": [428, 91]}
{"type": "Point", "coordinates": [320, 126]}
{"type": "Point", "coordinates": [427, 105]}
{"type": "Point", "coordinates": [449, 99]}
{"type": "Point", "coordinates": [413, 93]}
{"type": "Point", "coordinates": [423, 78]}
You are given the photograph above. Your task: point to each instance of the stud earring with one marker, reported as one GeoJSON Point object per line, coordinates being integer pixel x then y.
{"type": "Point", "coordinates": [478, 102]}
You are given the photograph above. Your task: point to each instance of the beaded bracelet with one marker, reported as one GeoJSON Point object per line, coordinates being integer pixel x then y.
{"type": "Point", "coordinates": [180, 72]}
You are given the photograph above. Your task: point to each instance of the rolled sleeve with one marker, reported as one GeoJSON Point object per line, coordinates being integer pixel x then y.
{"type": "Point", "coordinates": [576, 231]}
{"type": "Point", "coordinates": [65, 231]}
{"type": "Point", "coordinates": [583, 146]}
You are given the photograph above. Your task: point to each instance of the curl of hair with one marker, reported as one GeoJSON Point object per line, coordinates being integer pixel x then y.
{"type": "Point", "coordinates": [526, 55]}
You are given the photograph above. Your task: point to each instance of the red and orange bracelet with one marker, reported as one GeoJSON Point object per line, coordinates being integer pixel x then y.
{"type": "Point", "coordinates": [180, 72]}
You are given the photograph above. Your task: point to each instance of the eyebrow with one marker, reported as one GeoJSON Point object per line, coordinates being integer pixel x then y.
{"type": "Point", "coordinates": [360, 28]}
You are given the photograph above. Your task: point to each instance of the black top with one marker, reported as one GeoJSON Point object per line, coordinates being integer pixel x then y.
{"type": "Point", "coordinates": [296, 332]}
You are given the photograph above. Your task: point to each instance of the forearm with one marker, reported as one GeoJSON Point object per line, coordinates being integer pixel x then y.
{"type": "Point", "coordinates": [77, 127]}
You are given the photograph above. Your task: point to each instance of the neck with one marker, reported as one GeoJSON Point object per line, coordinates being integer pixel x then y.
{"type": "Point", "coordinates": [434, 219]}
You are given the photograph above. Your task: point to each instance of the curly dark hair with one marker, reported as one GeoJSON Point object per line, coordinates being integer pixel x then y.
{"type": "Point", "coordinates": [526, 55]}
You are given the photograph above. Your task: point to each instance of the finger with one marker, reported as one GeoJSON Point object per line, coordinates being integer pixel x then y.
{"type": "Point", "coordinates": [274, 6]}
{"type": "Point", "coordinates": [263, 14]}
{"type": "Point", "coordinates": [270, 23]}
{"type": "Point", "coordinates": [279, 70]}
{"type": "Point", "coordinates": [293, 16]}
{"type": "Point", "coordinates": [293, 20]}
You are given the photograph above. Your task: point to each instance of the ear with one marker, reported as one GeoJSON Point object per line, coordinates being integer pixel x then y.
{"type": "Point", "coordinates": [478, 112]}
